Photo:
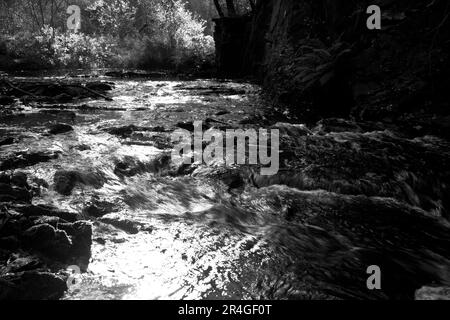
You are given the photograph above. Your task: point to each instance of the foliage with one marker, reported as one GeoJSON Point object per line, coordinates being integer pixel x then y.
{"type": "Point", "coordinates": [112, 16]}
{"type": "Point", "coordinates": [52, 48]}
{"type": "Point", "coordinates": [77, 50]}
{"type": "Point", "coordinates": [115, 33]}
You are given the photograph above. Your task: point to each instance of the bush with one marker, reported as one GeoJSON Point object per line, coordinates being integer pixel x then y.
{"type": "Point", "coordinates": [52, 48]}
{"type": "Point", "coordinates": [76, 50]}
{"type": "Point", "coordinates": [152, 34]}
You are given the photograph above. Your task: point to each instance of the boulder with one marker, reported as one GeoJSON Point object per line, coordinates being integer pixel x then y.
{"type": "Point", "coordinates": [124, 224]}
{"type": "Point", "coordinates": [114, 74]}
{"type": "Point", "coordinates": [5, 100]}
{"type": "Point", "coordinates": [9, 243]}
{"type": "Point", "coordinates": [37, 185]}
{"type": "Point", "coordinates": [81, 234]}
{"type": "Point", "coordinates": [21, 263]}
{"type": "Point", "coordinates": [124, 131]}
{"type": "Point", "coordinates": [161, 165]}
{"type": "Point", "coordinates": [99, 86]}
{"type": "Point", "coordinates": [4, 178]}
{"type": "Point", "coordinates": [53, 221]}
{"type": "Point", "coordinates": [232, 179]}
{"type": "Point", "coordinates": [60, 128]}
{"type": "Point", "coordinates": [40, 236]}
{"type": "Point", "coordinates": [222, 113]}
{"type": "Point", "coordinates": [6, 141]}
{"type": "Point", "coordinates": [11, 228]}
{"type": "Point", "coordinates": [48, 211]}
{"type": "Point", "coordinates": [19, 179]}
{"type": "Point", "coordinates": [100, 241]}
{"type": "Point", "coordinates": [32, 285]}
{"type": "Point", "coordinates": [10, 193]}
{"type": "Point", "coordinates": [48, 240]}
{"type": "Point", "coordinates": [25, 159]}
{"type": "Point", "coordinates": [98, 208]}
{"type": "Point", "coordinates": [66, 180]}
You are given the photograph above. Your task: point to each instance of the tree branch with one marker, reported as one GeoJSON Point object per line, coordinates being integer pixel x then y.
{"type": "Point", "coordinates": [252, 5]}
{"type": "Point", "coordinates": [219, 8]}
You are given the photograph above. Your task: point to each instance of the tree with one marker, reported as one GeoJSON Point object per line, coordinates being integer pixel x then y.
{"type": "Point", "coordinates": [218, 8]}
{"type": "Point", "coordinates": [231, 8]}
{"type": "Point", "coordinates": [235, 7]}
{"type": "Point", "coordinates": [252, 4]}
{"type": "Point", "coordinates": [167, 32]}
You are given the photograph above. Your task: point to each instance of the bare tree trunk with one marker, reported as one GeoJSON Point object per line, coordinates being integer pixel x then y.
{"type": "Point", "coordinates": [252, 4]}
{"type": "Point", "coordinates": [231, 8]}
{"type": "Point", "coordinates": [218, 8]}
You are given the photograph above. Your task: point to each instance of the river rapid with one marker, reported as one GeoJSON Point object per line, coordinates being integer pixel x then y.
{"type": "Point", "coordinates": [347, 197]}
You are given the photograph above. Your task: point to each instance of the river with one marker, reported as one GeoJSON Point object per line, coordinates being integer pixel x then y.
{"type": "Point", "coordinates": [214, 232]}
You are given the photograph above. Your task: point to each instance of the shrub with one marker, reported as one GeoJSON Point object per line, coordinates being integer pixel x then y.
{"type": "Point", "coordinates": [119, 33]}
{"type": "Point", "coordinates": [52, 48]}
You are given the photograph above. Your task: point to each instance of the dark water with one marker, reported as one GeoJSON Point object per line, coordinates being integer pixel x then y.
{"type": "Point", "coordinates": [200, 238]}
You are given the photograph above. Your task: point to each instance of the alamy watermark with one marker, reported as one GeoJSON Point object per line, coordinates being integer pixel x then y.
{"type": "Point", "coordinates": [233, 146]}
{"type": "Point", "coordinates": [374, 281]}
{"type": "Point", "coordinates": [374, 20]}
{"type": "Point", "coordinates": [74, 20]}
{"type": "Point", "coordinates": [74, 276]}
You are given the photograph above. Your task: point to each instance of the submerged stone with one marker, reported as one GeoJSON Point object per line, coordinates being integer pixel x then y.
{"type": "Point", "coordinates": [6, 100]}
{"type": "Point", "coordinates": [6, 141]}
{"type": "Point", "coordinates": [124, 224]}
{"type": "Point", "coordinates": [66, 180]}
{"type": "Point", "coordinates": [60, 128]}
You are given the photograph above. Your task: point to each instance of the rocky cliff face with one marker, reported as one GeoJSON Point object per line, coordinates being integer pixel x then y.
{"type": "Point", "coordinates": [319, 58]}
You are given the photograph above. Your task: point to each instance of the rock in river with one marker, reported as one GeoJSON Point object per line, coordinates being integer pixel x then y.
{"type": "Point", "coordinates": [48, 240]}
{"type": "Point", "coordinates": [122, 223]}
{"type": "Point", "coordinates": [5, 100]}
{"type": "Point", "coordinates": [12, 193]}
{"type": "Point", "coordinates": [32, 285]}
{"type": "Point", "coordinates": [25, 159]}
{"type": "Point", "coordinates": [44, 210]}
{"type": "Point", "coordinates": [65, 180]}
{"type": "Point", "coordinates": [81, 234]}
{"type": "Point", "coordinates": [19, 179]}
{"type": "Point", "coordinates": [60, 128]}
{"type": "Point", "coordinates": [6, 141]}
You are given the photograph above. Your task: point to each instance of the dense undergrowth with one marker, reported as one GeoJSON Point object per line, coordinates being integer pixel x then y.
{"type": "Point", "coordinates": [119, 33]}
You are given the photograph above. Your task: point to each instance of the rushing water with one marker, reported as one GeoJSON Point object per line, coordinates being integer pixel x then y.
{"type": "Point", "coordinates": [177, 257]}
{"type": "Point", "coordinates": [199, 238]}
